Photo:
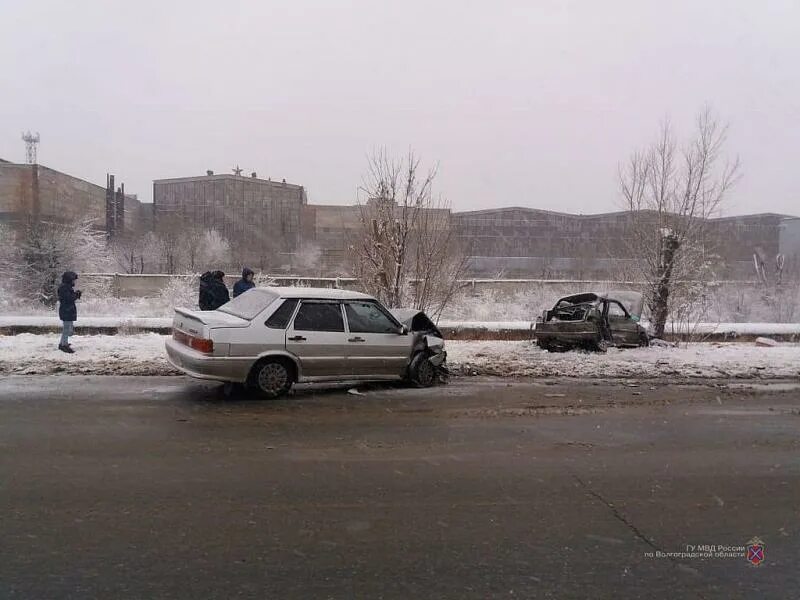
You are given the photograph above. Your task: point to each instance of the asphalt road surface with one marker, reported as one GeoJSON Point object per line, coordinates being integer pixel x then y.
{"type": "Point", "coordinates": [163, 488]}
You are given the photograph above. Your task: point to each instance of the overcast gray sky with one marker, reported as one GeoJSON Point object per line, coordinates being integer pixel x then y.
{"type": "Point", "coordinates": [521, 103]}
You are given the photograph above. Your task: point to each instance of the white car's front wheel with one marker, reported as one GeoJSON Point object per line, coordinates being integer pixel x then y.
{"type": "Point", "coordinates": [273, 378]}
{"type": "Point", "coordinates": [421, 371]}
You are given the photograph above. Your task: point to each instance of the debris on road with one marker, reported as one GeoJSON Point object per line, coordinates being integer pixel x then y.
{"type": "Point", "coordinates": [766, 342]}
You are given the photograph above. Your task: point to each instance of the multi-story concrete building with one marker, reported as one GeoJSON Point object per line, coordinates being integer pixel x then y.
{"type": "Point", "coordinates": [259, 217]}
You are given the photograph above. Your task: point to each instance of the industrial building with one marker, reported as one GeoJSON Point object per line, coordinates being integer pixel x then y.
{"type": "Point", "coordinates": [260, 218]}
{"type": "Point", "coordinates": [270, 224]}
{"type": "Point", "coordinates": [515, 242]}
{"type": "Point", "coordinates": [273, 222]}
{"type": "Point", "coordinates": [33, 190]}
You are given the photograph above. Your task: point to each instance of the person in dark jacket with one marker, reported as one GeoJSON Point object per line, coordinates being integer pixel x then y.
{"type": "Point", "coordinates": [67, 309]}
{"type": "Point", "coordinates": [245, 283]}
{"type": "Point", "coordinates": [205, 299]}
{"type": "Point", "coordinates": [218, 290]}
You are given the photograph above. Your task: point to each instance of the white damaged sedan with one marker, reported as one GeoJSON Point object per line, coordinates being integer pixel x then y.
{"type": "Point", "coordinates": [271, 338]}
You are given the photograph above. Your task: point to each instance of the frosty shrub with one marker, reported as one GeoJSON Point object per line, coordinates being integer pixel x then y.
{"type": "Point", "coordinates": [306, 260]}
{"type": "Point", "coordinates": [263, 280]}
{"type": "Point", "coordinates": [214, 249]}
{"type": "Point", "coordinates": [180, 291]}
{"type": "Point", "coordinates": [43, 251]}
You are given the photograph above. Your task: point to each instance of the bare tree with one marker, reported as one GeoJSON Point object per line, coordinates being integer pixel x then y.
{"type": "Point", "coordinates": [129, 251]}
{"type": "Point", "coordinates": [670, 193]}
{"type": "Point", "coordinates": [193, 237]}
{"type": "Point", "coordinates": [168, 245]}
{"type": "Point", "coordinates": [780, 285]}
{"type": "Point", "coordinates": [406, 251]}
{"type": "Point", "coordinates": [439, 260]}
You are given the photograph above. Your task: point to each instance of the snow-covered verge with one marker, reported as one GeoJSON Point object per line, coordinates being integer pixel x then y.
{"type": "Point", "coordinates": [31, 354]}
{"type": "Point", "coordinates": [124, 323]}
{"type": "Point", "coordinates": [144, 355]}
{"type": "Point", "coordinates": [701, 360]}
{"type": "Point", "coordinates": [512, 301]}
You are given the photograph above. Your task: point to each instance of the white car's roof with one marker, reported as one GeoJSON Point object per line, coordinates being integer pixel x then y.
{"type": "Point", "coordinates": [317, 293]}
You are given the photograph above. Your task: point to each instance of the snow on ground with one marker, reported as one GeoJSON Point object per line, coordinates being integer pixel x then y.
{"type": "Point", "coordinates": [146, 323]}
{"type": "Point", "coordinates": [144, 355]}
{"type": "Point", "coordinates": [33, 354]}
{"type": "Point", "coordinates": [702, 360]}
{"type": "Point", "coordinates": [743, 328]}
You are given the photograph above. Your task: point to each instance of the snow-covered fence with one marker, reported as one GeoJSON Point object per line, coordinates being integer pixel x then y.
{"type": "Point", "coordinates": [452, 330]}
{"type": "Point", "coordinates": [150, 285]}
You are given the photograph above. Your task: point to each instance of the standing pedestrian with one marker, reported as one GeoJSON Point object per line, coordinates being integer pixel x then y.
{"type": "Point", "coordinates": [245, 283]}
{"type": "Point", "coordinates": [67, 310]}
{"type": "Point", "coordinates": [205, 298]}
{"type": "Point", "coordinates": [218, 290]}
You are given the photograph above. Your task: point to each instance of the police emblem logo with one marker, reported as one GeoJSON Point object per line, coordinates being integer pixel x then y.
{"type": "Point", "coordinates": [756, 551]}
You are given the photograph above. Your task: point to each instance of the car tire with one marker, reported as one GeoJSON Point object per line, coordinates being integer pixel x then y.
{"type": "Point", "coordinates": [421, 371]}
{"type": "Point", "coordinates": [272, 378]}
{"type": "Point", "coordinates": [644, 341]}
{"type": "Point", "coordinates": [601, 346]}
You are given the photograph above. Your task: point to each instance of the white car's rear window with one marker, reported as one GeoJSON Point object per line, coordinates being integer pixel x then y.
{"type": "Point", "coordinates": [250, 304]}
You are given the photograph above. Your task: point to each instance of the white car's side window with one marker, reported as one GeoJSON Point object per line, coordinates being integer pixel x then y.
{"type": "Point", "coordinates": [367, 317]}
{"type": "Point", "coordinates": [280, 318]}
{"type": "Point", "coordinates": [319, 316]}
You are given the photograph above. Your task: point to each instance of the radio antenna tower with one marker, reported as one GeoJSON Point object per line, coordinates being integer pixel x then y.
{"type": "Point", "coordinates": [31, 140]}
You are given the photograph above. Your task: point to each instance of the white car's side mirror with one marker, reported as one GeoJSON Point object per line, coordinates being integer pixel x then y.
{"type": "Point", "coordinates": [403, 330]}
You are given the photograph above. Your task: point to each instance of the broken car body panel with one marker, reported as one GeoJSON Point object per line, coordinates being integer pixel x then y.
{"type": "Point", "coordinates": [592, 320]}
{"type": "Point", "coordinates": [427, 337]}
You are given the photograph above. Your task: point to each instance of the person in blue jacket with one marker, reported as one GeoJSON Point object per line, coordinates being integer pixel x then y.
{"type": "Point", "coordinates": [67, 310]}
{"type": "Point", "coordinates": [245, 283]}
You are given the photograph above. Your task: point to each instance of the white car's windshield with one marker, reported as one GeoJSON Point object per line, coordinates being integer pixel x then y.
{"type": "Point", "coordinates": [249, 304]}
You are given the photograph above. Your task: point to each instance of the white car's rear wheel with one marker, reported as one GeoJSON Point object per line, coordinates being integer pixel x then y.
{"type": "Point", "coordinates": [273, 378]}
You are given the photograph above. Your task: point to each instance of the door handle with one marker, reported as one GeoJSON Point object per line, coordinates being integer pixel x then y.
{"type": "Point", "coordinates": [356, 339]}
{"type": "Point", "coordinates": [297, 338]}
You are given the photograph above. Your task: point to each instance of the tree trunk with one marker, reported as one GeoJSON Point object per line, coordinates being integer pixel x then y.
{"type": "Point", "coordinates": [669, 246]}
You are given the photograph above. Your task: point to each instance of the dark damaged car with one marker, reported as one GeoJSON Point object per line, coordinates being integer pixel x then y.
{"type": "Point", "coordinates": [592, 321]}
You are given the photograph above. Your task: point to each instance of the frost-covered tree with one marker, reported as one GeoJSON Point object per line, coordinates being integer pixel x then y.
{"type": "Point", "coordinates": [44, 250]}
{"type": "Point", "coordinates": [671, 191]}
{"type": "Point", "coordinates": [215, 251]}
{"type": "Point", "coordinates": [406, 251]}
{"type": "Point", "coordinates": [307, 260]}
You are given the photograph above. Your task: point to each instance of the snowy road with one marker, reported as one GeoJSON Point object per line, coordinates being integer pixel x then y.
{"type": "Point", "coordinates": [144, 355]}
